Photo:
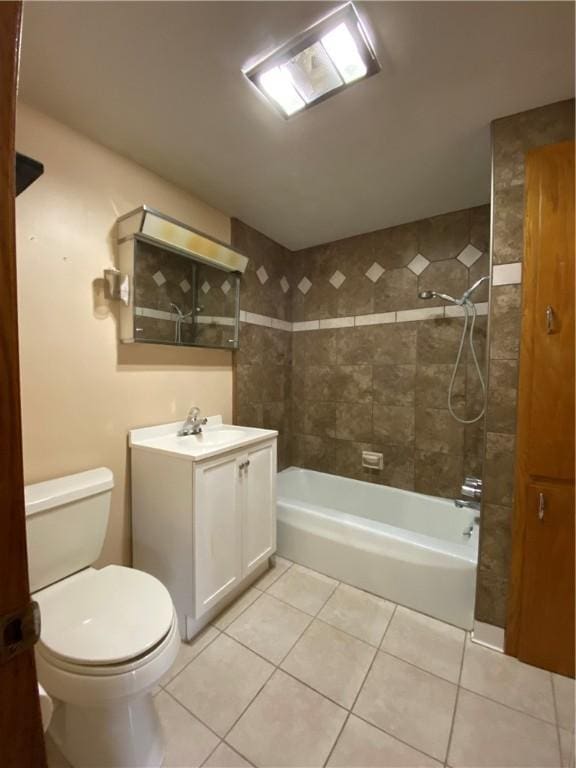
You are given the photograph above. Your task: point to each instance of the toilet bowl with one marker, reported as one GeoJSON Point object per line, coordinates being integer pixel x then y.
{"type": "Point", "coordinates": [108, 635]}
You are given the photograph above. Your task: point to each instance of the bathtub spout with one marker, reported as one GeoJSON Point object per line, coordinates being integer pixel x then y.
{"type": "Point", "coordinates": [465, 504]}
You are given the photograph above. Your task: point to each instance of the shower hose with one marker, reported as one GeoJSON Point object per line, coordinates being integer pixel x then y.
{"type": "Point", "coordinates": [467, 306]}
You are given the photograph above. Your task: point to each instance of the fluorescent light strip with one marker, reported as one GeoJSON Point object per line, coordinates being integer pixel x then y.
{"type": "Point", "coordinates": [343, 51]}
{"type": "Point", "coordinates": [278, 85]}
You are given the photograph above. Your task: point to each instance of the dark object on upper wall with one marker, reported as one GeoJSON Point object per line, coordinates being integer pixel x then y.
{"type": "Point", "coordinates": [27, 171]}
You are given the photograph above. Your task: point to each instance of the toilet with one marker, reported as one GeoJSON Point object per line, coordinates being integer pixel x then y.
{"type": "Point", "coordinates": [107, 635]}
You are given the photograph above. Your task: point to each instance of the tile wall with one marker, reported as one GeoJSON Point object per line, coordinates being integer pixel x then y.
{"type": "Point", "coordinates": [512, 137]}
{"type": "Point", "coordinates": [373, 371]}
{"type": "Point", "coordinates": [262, 365]}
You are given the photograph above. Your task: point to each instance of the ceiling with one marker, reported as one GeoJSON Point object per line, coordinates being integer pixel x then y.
{"type": "Point", "coordinates": [161, 83]}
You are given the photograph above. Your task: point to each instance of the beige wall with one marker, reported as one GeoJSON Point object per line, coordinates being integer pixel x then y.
{"type": "Point", "coordinates": [81, 389]}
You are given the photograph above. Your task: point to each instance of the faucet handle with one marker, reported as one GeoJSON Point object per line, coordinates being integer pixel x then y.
{"type": "Point", "coordinates": [194, 412]}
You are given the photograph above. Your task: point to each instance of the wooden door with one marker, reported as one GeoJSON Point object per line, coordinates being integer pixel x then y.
{"type": "Point", "coordinates": [541, 614]}
{"type": "Point", "coordinates": [217, 530]}
{"type": "Point", "coordinates": [21, 739]}
{"type": "Point", "coordinates": [258, 506]}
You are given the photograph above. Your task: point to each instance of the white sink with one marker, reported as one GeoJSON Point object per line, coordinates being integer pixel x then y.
{"type": "Point", "coordinates": [215, 438]}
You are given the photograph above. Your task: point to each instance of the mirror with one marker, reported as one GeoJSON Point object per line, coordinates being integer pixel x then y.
{"type": "Point", "coordinates": [180, 300]}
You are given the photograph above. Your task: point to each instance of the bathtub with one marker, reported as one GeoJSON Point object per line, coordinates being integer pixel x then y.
{"type": "Point", "coordinates": [404, 546]}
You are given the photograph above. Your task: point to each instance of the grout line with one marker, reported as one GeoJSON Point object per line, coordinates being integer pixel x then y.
{"type": "Point", "coordinates": [555, 704]}
{"type": "Point", "coordinates": [458, 689]}
{"type": "Point", "coordinates": [194, 715]}
{"type": "Point", "coordinates": [183, 642]}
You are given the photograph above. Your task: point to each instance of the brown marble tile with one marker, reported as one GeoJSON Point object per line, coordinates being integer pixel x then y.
{"type": "Point", "coordinates": [394, 384]}
{"type": "Point", "coordinates": [438, 474]}
{"type": "Point", "coordinates": [319, 383]}
{"type": "Point", "coordinates": [508, 225]}
{"type": "Point", "coordinates": [394, 344]}
{"type": "Point", "coordinates": [432, 383]}
{"type": "Point", "coordinates": [398, 466]}
{"type": "Point", "coordinates": [396, 246]}
{"type": "Point", "coordinates": [272, 382]}
{"type": "Point", "coordinates": [354, 421]}
{"type": "Point", "coordinates": [355, 345]}
{"type": "Point", "coordinates": [450, 277]}
{"type": "Point", "coordinates": [316, 347]}
{"type": "Point", "coordinates": [444, 237]}
{"type": "Point", "coordinates": [436, 431]}
{"type": "Point", "coordinates": [396, 289]}
{"type": "Point", "coordinates": [480, 227]}
{"type": "Point", "coordinates": [348, 459]}
{"type": "Point", "coordinates": [313, 452]}
{"type": "Point", "coordinates": [274, 416]}
{"type": "Point", "coordinates": [393, 424]}
{"type": "Point", "coordinates": [248, 383]}
{"type": "Point", "coordinates": [499, 468]}
{"type": "Point", "coordinates": [438, 340]}
{"type": "Point", "coordinates": [505, 322]}
{"type": "Point", "coordinates": [495, 540]}
{"type": "Point", "coordinates": [352, 383]}
{"type": "Point", "coordinates": [250, 415]}
{"type": "Point", "coordinates": [502, 396]}
{"type": "Point", "coordinates": [319, 418]}
{"type": "Point", "coordinates": [355, 296]}
{"type": "Point", "coordinates": [491, 599]}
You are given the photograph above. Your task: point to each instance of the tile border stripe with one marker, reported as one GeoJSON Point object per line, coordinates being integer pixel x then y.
{"type": "Point", "coordinates": [357, 321]}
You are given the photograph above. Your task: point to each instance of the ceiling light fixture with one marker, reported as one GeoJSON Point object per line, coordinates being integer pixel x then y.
{"type": "Point", "coordinates": [316, 64]}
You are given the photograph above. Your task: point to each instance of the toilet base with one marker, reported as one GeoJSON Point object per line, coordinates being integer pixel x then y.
{"type": "Point", "coordinates": [126, 734]}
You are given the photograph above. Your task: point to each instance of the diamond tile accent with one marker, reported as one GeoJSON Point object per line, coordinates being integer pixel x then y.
{"type": "Point", "coordinates": [284, 284]}
{"type": "Point", "coordinates": [205, 287]}
{"type": "Point", "coordinates": [304, 285]}
{"type": "Point", "coordinates": [185, 285]}
{"type": "Point", "coordinates": [337, 279]}
{"type": "Point", "coordinates": [469, 255]}
{"type": "Point", "coordinates": [375, 272]}
{"type": "Point", "coordinates": [262, 275]}
{"type": "Point", "coordinates": [418, 264]}
{"type": "Point", "coordinates": [158, 278]}
{"type": "Point", "coordinates": [225, 286]}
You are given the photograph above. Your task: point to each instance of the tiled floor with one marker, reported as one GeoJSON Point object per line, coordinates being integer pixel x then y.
{"type": "Point", "coordinates": [304, 671]}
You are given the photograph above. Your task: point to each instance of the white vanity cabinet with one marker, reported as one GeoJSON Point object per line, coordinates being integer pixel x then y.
{"type": "Point", "coordinates": [203, 518]}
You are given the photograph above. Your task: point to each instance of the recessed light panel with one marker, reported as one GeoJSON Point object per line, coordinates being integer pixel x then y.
{"type": "Point", "coordinates": [318, 63]}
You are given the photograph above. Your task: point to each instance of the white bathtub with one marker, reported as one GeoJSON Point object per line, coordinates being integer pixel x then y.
{"type": "Point", "coordinates": [404, 546]}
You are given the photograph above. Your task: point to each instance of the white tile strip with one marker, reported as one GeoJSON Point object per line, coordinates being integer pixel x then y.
{"type": "Point", "coordinates": [214, 320]}
{"type": "Point", "coordinates": [306, 325]}
{"type": "Point", "coordinates": [507, 274]}
{"type": "Point", "coordinates": [410, 315]}
{"type": "Point", "coordinates": [376, 319]}
{"type": "Point", "coordinates": [337, 322]}
{"type": "Point", "coordinates": [254, 319]}
{"type": "Point", "coordinates": [454, 311]}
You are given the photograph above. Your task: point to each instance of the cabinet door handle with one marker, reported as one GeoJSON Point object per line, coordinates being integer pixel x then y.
{"type": "Point", "coordinates": [541, 506]}
{"type": "Point", "coordinates": [549, 319]}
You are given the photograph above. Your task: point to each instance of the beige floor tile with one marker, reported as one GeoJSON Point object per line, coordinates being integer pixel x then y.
{"type": "Point", "coordinates": [359, 613]}
{"type": "Point", "coordinates": [330, 661]}
{"type": "Point", "coordinates": [564, 693]}
{"type": "Point", "coordinates": [269, 627]}
{"type": "Point", "coordinates": [225, 757]}
{"type": "Point", "coordinates": [303, 588]}
{"type": "Point", "coordinates": [287, 725]}
{"type": "Point", "coordinates": [425, 642]}
{"type": "Point", "coordinates": [408, 703]}
{"type": "Point", "coordinates": [363, 746]}
{"type": "Point", "coordinates": [189, 651]}
{"type": "Point", "coordinates": [509, 681]}
{"type": "Point", "coordinates": [567, 749]}
{"type": "Point", "coordinates": [219, 683]}
{"type": "Point", "coordinates": [278, 567]}
{"type": "Point", "coordinates": [490, 735]}
{"type": "Point", "coordinates": [228, 615]}
{"type": "Point", "coordinates": [188, 741]}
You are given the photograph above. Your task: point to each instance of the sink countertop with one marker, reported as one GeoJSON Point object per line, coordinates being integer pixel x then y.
{"type": "Point", "coordinates": [215, 438]}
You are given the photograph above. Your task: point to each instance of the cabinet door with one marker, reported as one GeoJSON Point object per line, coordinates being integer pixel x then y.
{"type": "Point", "coordinates": [259, 506]}
{"type": "Point", "coordinates": [217, 531]}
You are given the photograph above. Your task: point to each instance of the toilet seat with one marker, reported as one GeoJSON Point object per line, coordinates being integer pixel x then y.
{"type": "Point", "coordinates": [104, 621]}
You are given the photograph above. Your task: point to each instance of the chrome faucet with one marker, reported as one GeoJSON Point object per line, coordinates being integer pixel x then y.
{"type": "Point", "coordinates": [464, 504]}
{"type": "Point", "coordinates": [193, 424]}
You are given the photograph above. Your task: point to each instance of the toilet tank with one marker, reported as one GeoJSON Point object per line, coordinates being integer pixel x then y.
{"type": "Point", "coordinates": [66, 522]}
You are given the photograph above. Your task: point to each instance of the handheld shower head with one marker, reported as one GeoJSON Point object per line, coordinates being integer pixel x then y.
{"type": "Point", "coordinates": [471, 290]}
{"type": "Point", "coordinates": [436, 295]}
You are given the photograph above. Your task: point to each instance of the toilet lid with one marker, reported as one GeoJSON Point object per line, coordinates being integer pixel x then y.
{"type": "Point", "coordinates": [104, 616]}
